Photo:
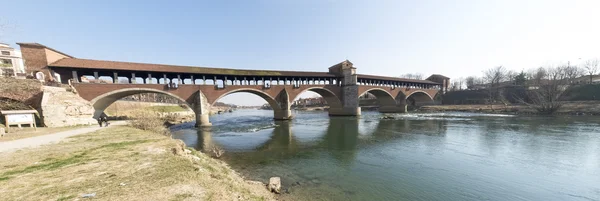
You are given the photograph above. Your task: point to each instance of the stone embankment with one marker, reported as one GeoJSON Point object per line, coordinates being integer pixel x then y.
{"type": "Point", "coordinates": [60, 108]}
{"type": "Point", "coordinates": [576, 108]}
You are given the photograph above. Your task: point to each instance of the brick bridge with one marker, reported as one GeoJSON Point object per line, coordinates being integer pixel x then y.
{"type": "Point", "coordinates": [201, 87]}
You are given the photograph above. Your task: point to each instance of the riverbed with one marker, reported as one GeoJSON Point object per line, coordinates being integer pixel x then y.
{"type": "Point", "coordinates": [428, 156]}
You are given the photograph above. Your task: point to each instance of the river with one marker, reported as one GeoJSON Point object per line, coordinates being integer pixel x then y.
{"type": "Point", "coordinates": [435, 156]}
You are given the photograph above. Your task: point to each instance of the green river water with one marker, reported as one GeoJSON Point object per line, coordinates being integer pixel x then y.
{"type": "Point", "coordinates": [435, 156]}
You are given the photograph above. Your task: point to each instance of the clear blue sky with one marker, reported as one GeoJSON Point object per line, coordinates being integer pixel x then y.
{"type": "Point", "coordinates": [454, 38]}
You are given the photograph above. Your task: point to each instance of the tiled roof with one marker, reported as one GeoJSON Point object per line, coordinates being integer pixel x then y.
{"type": "Point", "coordinates": [376, 77]}
{"type": "Point", "coordinates": [163, 68]}
{"type": "Point", "coordinates": [438, 75]}
{"type": "Point", "coordinates": [43, 46]}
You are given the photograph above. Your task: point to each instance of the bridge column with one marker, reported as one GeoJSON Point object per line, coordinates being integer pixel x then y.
{"type": "Point", "coordinates": [201, 109]}
{"type": "Point", "coordinates": [349, 97]}
{"type": "Point", "coordinates": [75, 76]}
{"type": "Point", "coordinates": [133, 79]}
{"type": "Point", "coordinates": [283, 112]}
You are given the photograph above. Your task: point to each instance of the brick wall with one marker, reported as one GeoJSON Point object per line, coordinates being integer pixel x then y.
{"type": "Point", "coordinates": [35, 60]}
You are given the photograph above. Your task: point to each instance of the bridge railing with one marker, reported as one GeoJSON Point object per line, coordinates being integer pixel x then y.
{"type": "Point", "coordinates": [397, 84]}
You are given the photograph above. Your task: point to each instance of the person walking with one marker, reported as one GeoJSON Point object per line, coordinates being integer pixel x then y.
{"type": "Point", "coordinates": [100, 121]}
{"type": "Point", "coordinates": [103, 120]}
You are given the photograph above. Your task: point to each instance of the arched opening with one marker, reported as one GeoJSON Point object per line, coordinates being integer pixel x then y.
{"type": "Point", "coordinates": [418, 98]}
{"type": "Point", "coordinates": [316, 98]}
{"type": "Point", "coordinates": [377, 98]}
{"type": "Point", "coordinates": [249, 98]}
{"type": "Point", "coordinates": [140, 99]}
{"type": "Point", "coordinates": [40, 76]}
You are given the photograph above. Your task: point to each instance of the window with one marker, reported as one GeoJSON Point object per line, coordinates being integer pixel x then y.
{"type": "Point", "coordinates": [6, 63]}
{"type": "Point", "coordinates": [6, 53]}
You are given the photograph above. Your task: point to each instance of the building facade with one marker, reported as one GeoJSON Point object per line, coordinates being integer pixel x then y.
{"type": "Point", "coordinates": [11, 62]}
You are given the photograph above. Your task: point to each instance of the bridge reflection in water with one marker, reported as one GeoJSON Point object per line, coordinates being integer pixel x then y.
{"type": "Point", "coordinates": [340, 139]}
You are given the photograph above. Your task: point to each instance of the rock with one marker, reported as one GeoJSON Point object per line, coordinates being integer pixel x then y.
{"type": "Point", "coordinates": [196, 158]}
{"type": "Point", "coordinates": [275, 185]}
{"type": "Point", "coordinates": [187, 151]}
{"type": "Point", "coordinates": [388, 117]}
{"type": "Point", "coordinates": [91, 195]}
{"type": "Point", "coordinates": [179, 149]}
{"type": "Point", "coordinates": [2, 132]}
{"type": "Point", "coordinates": [122, 184]}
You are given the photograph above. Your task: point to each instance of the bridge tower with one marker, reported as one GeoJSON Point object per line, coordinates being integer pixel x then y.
{"type": "Point", "coordinates": [346, 73]}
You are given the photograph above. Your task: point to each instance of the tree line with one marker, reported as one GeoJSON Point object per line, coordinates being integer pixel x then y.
{"type": "Point", "coordinates": [540, 88]}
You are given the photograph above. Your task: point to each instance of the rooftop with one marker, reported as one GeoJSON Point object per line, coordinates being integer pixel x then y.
{"type": "Point", "coordinates": [43, 46]}
{"type": "Point", "coordinates": [376, 77]}
{"type": "Point", "coordinates": [164, 68]}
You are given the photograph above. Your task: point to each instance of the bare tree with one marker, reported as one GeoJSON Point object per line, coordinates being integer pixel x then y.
{"type": "Point", "coordinates": [573, 72]}
{"type": "Point", "coordinates": [546, 97]}
{"type": "Point", "coordinates": [455, 85]}
{"type": "Point", "coordinates": [416, 76]}
{"type": "Point", "coordinates": [470, 82]}
{"type": "Point", "coordinates": [494, 76]}
{"type": "Point", "coordinates": [592, 68]}
{"type": "Point", "coordinates": [510, 76]}
{"type": "Point", "coordinates": [539, 75]}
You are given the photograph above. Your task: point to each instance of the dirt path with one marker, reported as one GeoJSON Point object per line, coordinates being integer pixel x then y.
{"type": "Point", "coordinates": [14, 145]}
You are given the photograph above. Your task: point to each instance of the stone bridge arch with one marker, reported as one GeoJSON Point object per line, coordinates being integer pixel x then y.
{"type": "Point", "coordinates": [389, 100]}
{"type": "Point", "coordinates": [280, 103]}
{"type": "Point", "coordinates": [270, 100]}
{"type": "Point", "coordinates": [419, 98]}
{"type": "Point", "coordinates": [101, 102]}
{"type": "Point", "coordinates": [330, 96]}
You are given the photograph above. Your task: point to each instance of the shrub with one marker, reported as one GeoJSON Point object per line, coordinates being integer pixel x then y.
{"type": "Point", "coordinates": [149, 122]}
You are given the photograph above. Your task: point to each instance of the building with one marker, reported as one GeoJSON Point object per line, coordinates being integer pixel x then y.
{"type": "Point", "coordinates": [11, 62]}
{"type": "Point", "coordinates": [586, 80]}
{"type": "Point", "coordinates": [38, 57]}
{"type": "Point", "coordinates": [315, 101]}
{"type": "Point", "coordinates": [445, 81]}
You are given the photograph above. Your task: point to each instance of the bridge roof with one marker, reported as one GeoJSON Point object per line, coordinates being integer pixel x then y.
{"type": "Point", "coordinates": [163, 68]}
{"type": "Point", "coordinates": [397, 79]}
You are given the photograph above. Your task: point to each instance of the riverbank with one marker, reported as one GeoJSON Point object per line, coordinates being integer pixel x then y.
{"type": "Point", "coordinates": [121, 163]}
{"type": "Point", "coordinates": [312, 108]}
{"type": "Point", "coordinates": [569, 108]}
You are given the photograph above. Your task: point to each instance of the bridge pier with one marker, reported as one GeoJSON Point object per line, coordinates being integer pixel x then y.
{"type": "Point", "coordinates": [400, 106]}
{"type": "Point", "coordinates": [349, 84]}
{"type": "Point", "coordinates": [282, 114]}
{"type": "Point", "coordinates": [202, 120]}
{"type": "Point", "coordinates": [202, 110]}
{"type": "Point", "coordinates": [345, 111]}
{"type": "Point", "coordinates": [281, 109]}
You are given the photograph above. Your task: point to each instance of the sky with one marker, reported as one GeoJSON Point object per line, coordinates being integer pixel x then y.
{"type": "Point", "coordinates": [453, 38]}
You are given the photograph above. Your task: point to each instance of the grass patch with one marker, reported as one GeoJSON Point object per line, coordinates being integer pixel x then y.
{"type": "Point", "coordinates": [167, 108]}
{"type": "Point", "coordinates": [182, 196]}
{"type": "Point", "coordinates": [118, 145]}
{"type": "Point", "coordinates": [120, 163]}
{"type": "Point", "coordinates": [48, 166]}
{"type": "Point", "coordinates": [66, 198]}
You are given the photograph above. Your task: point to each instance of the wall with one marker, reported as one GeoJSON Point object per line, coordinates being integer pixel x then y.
{"type": "Point", "coordinates": [52, 56]}
{"type": "Point", "coordinates": [62, 108]}
{"type": "Point", "coordinates": [34, 58]}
